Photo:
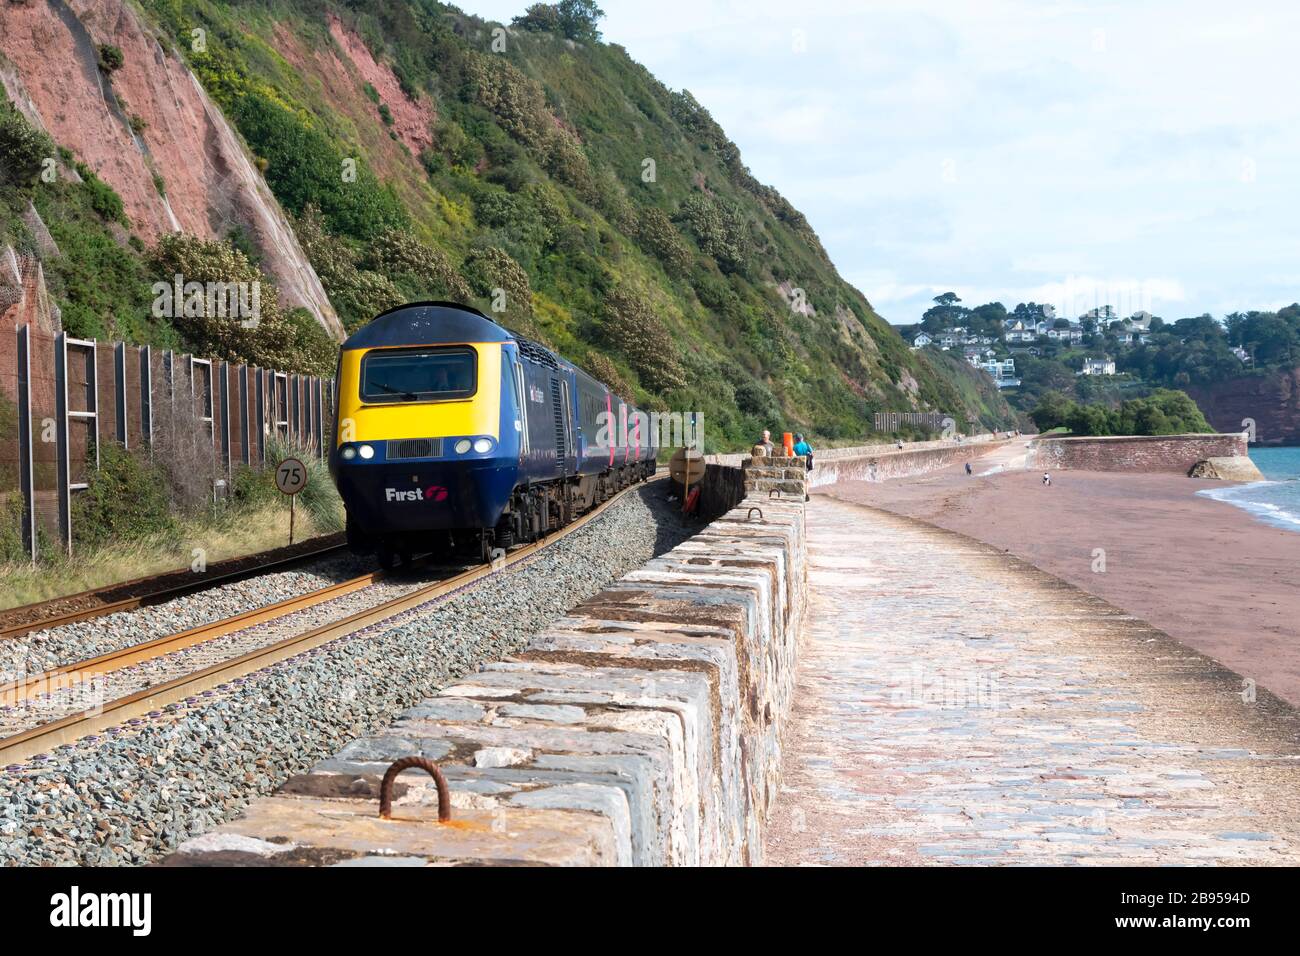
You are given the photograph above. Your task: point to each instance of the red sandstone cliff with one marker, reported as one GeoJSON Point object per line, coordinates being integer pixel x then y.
{"type": "Point", "coordinates": [211, 184]}
{"type": "Point", "coordinates": [1272, 401]}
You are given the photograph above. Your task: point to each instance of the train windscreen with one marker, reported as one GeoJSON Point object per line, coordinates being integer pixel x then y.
{"type": "Point", "coordinates": [418, 375]}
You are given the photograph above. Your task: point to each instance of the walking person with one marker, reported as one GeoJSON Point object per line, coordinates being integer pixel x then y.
{"type": "Point", "coordinates": [968, 470]}
{"type": "Point", "coordinates": [804, 451]}
{"type": "Point", "coordinates": [1047, 479]}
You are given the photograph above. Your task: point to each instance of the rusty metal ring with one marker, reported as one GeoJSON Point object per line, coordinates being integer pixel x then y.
{"type": "Point", "coordinates": [408, 763]}
{"type": "Point", "coordinates": [750, 514]}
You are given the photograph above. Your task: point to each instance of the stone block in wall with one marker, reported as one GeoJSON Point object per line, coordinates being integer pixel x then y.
{"type": "Point", "coordinates": [643, 728]}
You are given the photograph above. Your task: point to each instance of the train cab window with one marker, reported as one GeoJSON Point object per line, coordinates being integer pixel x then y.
{"type": "Point", "coordinates": [427, 374]}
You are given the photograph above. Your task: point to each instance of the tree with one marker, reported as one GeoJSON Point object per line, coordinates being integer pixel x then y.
{"type": "Point", "coordinates": [1052, 410]}
{"type": "Point", "coordinates": [947, 299]}
{"type": "Point", "coordinates": [1088, 420]}
{"type": "Point", "coordinates": [1269, 338]}
{"type": "Point", "coordinates": [993, 313]}
{"type": "Point", "coordinates": [540, 18]}
{"type": "Point", "coordinates": [572, 19]}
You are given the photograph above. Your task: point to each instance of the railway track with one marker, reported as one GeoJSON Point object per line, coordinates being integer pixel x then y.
{"type": "Point", "coordinates": [152, 700]}
{"type": "Point", "coordinates": [87, 605]}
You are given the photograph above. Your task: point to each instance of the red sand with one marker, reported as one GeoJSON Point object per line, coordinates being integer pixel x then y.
{"type": "Point", "coordinates": [1205, 572]}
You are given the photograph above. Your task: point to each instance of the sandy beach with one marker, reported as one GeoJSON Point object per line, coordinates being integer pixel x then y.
{"type": "Point", "coordinates": [1205, 572]}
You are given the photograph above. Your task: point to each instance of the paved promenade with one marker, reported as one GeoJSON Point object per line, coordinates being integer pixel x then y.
{"type": "Point", "coordinates": [956, 706]}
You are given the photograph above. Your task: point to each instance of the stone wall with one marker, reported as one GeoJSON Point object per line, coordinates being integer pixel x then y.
{"type": "Point", "coordinates": [722, 489]}
{"type": "Point", "coordinates": [1145, 453]}
{"type": "Point", "coordinates": [780, 475]}
{"type": "Point", "coordinates": [642, 729]}
{"type": "Point", "coordinates": [916, 458]}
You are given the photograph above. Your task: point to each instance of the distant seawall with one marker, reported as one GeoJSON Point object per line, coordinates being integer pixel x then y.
{"type": "Point", "coordinates": [1145, 453]}
{"type": "Point", "coordinates": [872, 462]}
{"type": "Point", "coordinates": [882, 462]}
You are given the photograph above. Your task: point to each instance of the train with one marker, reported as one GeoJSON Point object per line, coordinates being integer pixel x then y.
{"type": "Point", "coordinates": [456, 435]}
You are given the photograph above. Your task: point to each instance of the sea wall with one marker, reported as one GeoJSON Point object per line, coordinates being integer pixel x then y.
{"type": "Point", "coordinates": [882, 462]}
{"type": "Point", "coordinates": [1144, 453]}
{"type": "Point", "coordinates": [721, 489]}
{"type": "Point", "coordinates": [644, 728]}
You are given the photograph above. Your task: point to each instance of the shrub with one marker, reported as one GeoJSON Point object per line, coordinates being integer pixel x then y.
{"type": "Point", "coordinates": [601, 368]}
{"type": "Point", "coordinates": [254, 489]}
{"type": "Point", "coordinates": [491, 268]}
{"type": "Point", "coordinates": [110, 58]}
{"type": "Point", "coordinates": [364, 296]}
{"type": "Point", "coordinates": [304, 167]}
{"type": "Point", "coordinates": [658, 237]}
{"type": "Point", "coordinates": [12, 548]}
{"type": "Point", "coordinates": [103, 198]}
{"type": "Point", "coordinates": [126, 498]}
{"type": "Point", "coordinates": [634, 330]}
{"type": "Point", "coordinates": [316, 349]}
{"type": "Point", "coordinates": [718, 228]}
{"type": "Point", "coordinates": [273, 341]}
{"type": "Point", "coordinates": [403, 259]}
{"type": "Point", "coordinates": [23, 148]}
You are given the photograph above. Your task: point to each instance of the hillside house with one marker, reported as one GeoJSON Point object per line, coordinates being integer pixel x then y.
{"type": "Point", "coordinates": [1101, 366]}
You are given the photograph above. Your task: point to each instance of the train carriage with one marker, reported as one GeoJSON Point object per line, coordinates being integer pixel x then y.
{"type": "Point", "coordinates": [454, 433]}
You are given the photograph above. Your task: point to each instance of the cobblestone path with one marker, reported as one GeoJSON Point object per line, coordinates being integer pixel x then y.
{"type": "Point", "coordinates": [957, 706]}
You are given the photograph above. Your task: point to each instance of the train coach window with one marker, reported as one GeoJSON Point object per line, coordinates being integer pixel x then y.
{"type": "Point", "coordinates": [419, 375]}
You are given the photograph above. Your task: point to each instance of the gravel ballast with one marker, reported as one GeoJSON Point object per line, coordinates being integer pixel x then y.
{"type": "Point", "coordinates": [133, 796]}
{"type": "Point", "coordinates": [80, 640]}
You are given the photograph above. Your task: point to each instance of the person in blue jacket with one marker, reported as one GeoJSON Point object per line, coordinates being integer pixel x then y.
{"type": "Point", "coordinates": [804, 451]}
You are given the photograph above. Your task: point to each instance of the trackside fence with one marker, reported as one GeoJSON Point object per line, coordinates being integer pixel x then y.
{"type": "Point", "coordinates": [62, 399]}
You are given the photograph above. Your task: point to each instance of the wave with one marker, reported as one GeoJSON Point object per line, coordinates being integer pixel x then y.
{"type": "Point", "coordinates": [1248, 498]}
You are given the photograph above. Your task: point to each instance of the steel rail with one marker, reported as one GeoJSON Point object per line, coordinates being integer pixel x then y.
{"type": "Point", "coordinates": [66, 730]}
{"type": "Point", "coordinates": [150, 597]}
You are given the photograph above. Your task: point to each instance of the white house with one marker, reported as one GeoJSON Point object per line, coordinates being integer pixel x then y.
{"type": "Point", "coordinates": [1101, 366]}
{"type": "Point", "coordinates": [1242, 354]}
{"type": "Point", "coordinates": [1003, 373]}
{"type": "Point", "coordinates": [922, 339]}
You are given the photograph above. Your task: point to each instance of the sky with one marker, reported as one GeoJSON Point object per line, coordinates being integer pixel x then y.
{"type": "Point", "coordinates": [1143, 154]}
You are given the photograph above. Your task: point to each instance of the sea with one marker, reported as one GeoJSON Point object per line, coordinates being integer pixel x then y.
{"type": "Point", "coordinates": [1276, 500]}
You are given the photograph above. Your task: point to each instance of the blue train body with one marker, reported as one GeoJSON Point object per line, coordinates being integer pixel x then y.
{"type": "Point", "coordinates": [453, 431]}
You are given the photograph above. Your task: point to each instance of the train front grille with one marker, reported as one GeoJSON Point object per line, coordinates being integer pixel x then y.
{"type": "Point", "coordinates": [405, 448]}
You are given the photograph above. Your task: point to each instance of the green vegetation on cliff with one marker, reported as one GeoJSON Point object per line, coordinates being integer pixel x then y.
{"type": "Point", "coordinates": [545, 176]}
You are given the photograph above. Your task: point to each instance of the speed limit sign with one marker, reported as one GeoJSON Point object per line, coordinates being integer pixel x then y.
{"type": "Point", "coordinates": [291, 476]}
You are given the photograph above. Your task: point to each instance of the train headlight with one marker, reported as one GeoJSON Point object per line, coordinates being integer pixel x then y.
{"type": "Point", "coordinates": [366, 451]}
{"type": "Point", "coordinates": [483, 445]}
{"type": "Point", "coordinates": [348, 453]}
{"type": "Point", "coordinates": [463, 446]}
